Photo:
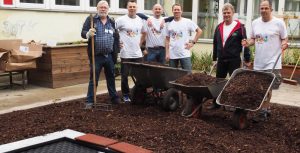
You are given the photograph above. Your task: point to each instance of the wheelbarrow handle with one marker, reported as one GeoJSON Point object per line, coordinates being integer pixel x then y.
{"type": "Point", "coordinates": [279, 55]}
{"type": "Point", "coordinates": [212, 67]}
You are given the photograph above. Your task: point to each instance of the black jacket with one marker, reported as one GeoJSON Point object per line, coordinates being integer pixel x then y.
{"type": "Point", "coordinates": [232, 48]}
{"type": "Point", "coordinates": [116, 47]}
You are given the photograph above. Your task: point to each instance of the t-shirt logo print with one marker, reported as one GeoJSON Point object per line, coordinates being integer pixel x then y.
{"type": "Point", "coordinates": [132, 33]}
{"type": "Point", "coordinates": [155, 31]}
{"type": "Point", "coordinates": [176, 35]}
{"type": "Point", "coordinates": [261, 39]}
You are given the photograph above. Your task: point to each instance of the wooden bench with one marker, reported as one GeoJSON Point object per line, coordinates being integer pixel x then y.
{"type": "Point", "coordinates": [10, 75]}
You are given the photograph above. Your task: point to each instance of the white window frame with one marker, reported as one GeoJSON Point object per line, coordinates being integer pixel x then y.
{"type": "Point", "coordinates": [142, 7]}
{"type": "Point", "coordinates": [81, 6]}
{"type": "Point", "coordinates": [93, 9]}
{"type": "Point", "coordinates": [5, 5]}
{"type": "Point", "coordinates": [32, 5]}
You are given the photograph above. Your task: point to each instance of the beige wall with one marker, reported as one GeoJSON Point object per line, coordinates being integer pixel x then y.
{"type": "Point", "coordinates": [41, 26]}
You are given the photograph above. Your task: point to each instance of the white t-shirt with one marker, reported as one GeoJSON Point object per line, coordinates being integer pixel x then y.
{"type": "Point", "coordinates": [155, 35]}
{"type": "Point", "coordinates": [227, 30]}
{"type": "Point", "coordinates": [179, 33]}
{"type": "Point", "coordinates": [130, 35]}
{"type": "Point", "coordinates": [268, 36]}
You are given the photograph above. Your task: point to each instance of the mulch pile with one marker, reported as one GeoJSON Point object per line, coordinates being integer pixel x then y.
{"type": "Point", "coordinates": [152, 128]}
{"type": "Point", "coordinates": [246, 90]}
{"type": "Point", "coordinates": [196, 79]}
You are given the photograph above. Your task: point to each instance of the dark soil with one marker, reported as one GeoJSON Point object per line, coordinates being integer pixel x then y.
{"type": "Point", "coordinates": [196, 79]}
{"type": "Point", "coordinates": [152, 128]}
{"type": "Point", "coordinates": [246, 90]}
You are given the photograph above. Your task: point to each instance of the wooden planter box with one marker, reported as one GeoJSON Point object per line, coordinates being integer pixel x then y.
{"type": "Point", "coordinates": [61, 66]}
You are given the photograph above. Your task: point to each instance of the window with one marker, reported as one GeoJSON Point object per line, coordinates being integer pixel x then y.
{"type": "Point", "coordinates": [207, 17]}
{"type": "Point", "coordinates": [76, 5]}
{"type": "Point", "coordinates": [32, 1]}
{"type": "Point", "coordinates": [292, 5]}
{"type": "Point", "coordinates": [186, 5]}
{"type": "Point", "coordinates": [67, 2]}
{"type": "Point", "coordinates": [149, 4]}
{"type": "Point", "coordinates": [93, 3]}
{"type": "Point", "coordinates": [123, 4]}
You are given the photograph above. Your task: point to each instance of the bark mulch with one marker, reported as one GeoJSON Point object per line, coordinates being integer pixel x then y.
{"type": "Point", "coordinates": [152, 128]}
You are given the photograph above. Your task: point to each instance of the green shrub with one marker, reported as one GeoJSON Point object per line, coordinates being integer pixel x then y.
{"type": "Point", "coordinates": [201, 62]}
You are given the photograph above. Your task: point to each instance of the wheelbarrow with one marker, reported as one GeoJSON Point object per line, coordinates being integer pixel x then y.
{"type": "Point", "coordinates": [198, 95]}
{"type": "Point", "coordinates": [157, 77]}
{"type": "Point", "coordinates": [239, 118]}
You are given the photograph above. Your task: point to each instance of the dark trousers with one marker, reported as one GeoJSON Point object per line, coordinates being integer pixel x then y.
{"type": "Point", "coordinates": [225, 67]}
{"type": "Point", "coordinates": [108, 64]}
{"type": "Point", "coordinates": [125, 73]}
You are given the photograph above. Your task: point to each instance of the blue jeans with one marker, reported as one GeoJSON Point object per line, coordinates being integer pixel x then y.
{"type": "Point", "coordinates": [156, 55]}
{"type": "Point", "coordinates": [185, 63]}
{"type": "Point", "coordinates": [125, 72]}
{"type": "Point", "coordinates": [109, 70]}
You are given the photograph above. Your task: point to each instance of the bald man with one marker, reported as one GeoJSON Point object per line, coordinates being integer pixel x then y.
{"type": "Point", "coordinates": [155, 36]}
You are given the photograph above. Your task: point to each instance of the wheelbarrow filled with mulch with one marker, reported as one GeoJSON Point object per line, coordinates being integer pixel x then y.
{"type": "Point", "coordinates": [199, 88]}
{"type": "Point", "coordinates": [151, 81]}
{"type": "Point", "coordinates": [246, 91]}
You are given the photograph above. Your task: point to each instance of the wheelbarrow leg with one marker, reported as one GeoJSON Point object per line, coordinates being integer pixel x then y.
{"type": "Point", "coordinates": [171, 100]}
{"type": "Point", "coordinates": [239, 119]}
{"type": "Point", "coordinates": [193, 107]}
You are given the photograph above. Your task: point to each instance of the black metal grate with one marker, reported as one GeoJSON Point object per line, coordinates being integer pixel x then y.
{"type": "Point", "coordinates": [63, 146]}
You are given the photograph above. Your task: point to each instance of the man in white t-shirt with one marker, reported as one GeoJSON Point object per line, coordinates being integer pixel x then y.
{"type": "Point", "coordinates": [178, 43]}
{"type": "Point", "coordinates": [155, 37]}
{"type": "Point", "coordinates": [270, 37]}
{"type": "Point", "coordinates": [131, 30]}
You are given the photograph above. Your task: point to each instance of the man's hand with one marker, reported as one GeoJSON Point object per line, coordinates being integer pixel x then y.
{"type": "Point", "coordinates": [284, 46]}
{"type": "Point", "coordinates": [245, 43]}
{"type": "Point", "coordinates": [167, 57]}
{"type": "Point", "coordinates": [121, 44]}
{"type": "Point", "coordinates": [145, 52]}
{"type": "Point", "coordinates": [91, 32]}
{"type": "Point", "coordinates": [189, 45]}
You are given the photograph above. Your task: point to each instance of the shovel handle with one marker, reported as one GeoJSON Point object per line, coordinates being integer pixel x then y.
{"type": "Point", "coordinates": [93, 59]}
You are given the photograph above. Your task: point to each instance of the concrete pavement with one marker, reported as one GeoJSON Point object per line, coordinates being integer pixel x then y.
{"type": "Point", "coordinates": [34, 96]}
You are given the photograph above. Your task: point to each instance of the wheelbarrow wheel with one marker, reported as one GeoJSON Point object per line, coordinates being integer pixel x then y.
{"type": "Point", "coordinates": [138, 95]}
{"type": "Point", "coordinates": [239, 119]}
{"type": "Point", "coordinates": [171, 100]}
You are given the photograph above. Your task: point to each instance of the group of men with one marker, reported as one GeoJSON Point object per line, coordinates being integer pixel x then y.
{"type": "Point", "coordinates": [169, 40]}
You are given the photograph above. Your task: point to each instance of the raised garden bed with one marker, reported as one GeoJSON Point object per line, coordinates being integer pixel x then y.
{"type": "Point", "coordinates": [157, 130]}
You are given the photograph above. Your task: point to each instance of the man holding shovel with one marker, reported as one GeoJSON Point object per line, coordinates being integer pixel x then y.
{"type": "Point", "coordinates": [106, 41]}
{"type": "Point", "coordinates": [270, 37]}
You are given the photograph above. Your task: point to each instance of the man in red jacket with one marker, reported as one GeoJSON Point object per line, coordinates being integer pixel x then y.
{"type": "Point", "coordinates": [227, 46]}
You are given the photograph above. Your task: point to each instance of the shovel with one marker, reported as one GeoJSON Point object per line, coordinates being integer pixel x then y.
{"type": "Point", "coordinates": [290, 81]}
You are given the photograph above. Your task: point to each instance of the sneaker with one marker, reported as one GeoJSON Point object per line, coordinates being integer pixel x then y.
{"type": "Point", "coordinates": [126, 99]}
{"type": "Point", "coordinates": [88, 106]}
